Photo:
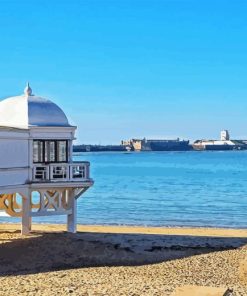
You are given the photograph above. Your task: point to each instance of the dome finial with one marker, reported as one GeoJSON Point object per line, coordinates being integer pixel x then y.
{"type": "Point", "coordinates": [28, 90]}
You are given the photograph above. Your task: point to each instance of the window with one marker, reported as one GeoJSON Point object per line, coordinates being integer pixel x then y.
{"type": "Point", "coordinates": [62, 151]}
{"type": "Point", "coordinates": [38, 151]}
{"type": "Point", "coordinates": [49, 151]}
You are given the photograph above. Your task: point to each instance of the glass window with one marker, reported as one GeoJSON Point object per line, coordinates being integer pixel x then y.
{"type": "Point", "coordinates": [38, 151]}
{"type": "Point", "coordinates": [62, 151]}
{"type": "Point", "coordinates": [50, 151]}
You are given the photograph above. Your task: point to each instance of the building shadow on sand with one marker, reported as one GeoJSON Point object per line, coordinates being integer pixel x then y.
{"type": "Point", "coordinates": [44, 252]}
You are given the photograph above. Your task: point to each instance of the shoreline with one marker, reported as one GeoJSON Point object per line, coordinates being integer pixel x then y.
{"type": "Point", "coordinates": [123, 225]}
{"type": "Point", "coordinates": [195, 231]}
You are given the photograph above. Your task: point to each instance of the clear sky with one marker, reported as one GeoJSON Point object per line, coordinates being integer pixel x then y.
{"type": "Point", "coordinates": [130, 68]}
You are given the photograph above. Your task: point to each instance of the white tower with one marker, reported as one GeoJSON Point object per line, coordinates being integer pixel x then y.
{"type": "Point", "coordinates": [224, 135]}
{"type": "Point", "coordinates": [37, 174]}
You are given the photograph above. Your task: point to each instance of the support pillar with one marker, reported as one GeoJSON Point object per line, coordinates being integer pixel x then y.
{"type": "Point", "coordinates": [26, 218]}
{"type": "Point", "coordinates": [72, 218]}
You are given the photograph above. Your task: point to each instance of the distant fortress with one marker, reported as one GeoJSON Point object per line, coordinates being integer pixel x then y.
{"type": "Point", "coordinates": [168, 145]}
{"type": "Point", "coordinates": [156, 145]}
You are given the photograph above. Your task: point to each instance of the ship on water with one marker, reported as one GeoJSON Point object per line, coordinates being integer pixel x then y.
{"type": "Point", "coordinates": [220, 145]}
{"type": "Point", "coordinates": [157, 145]}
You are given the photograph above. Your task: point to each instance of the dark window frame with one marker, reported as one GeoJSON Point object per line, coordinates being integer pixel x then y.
{"type": "Point", "coordinates": [56, 151]}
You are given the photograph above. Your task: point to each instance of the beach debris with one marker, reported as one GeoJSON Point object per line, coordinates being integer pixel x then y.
{"type": "Point", "coordinates": [191, 290]}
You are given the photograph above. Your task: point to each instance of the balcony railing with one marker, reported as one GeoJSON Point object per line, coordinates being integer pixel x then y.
{"type": "Point", "coordinates": [75, 171]}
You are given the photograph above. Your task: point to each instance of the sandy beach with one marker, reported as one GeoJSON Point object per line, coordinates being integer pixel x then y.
{"type": "Point", "coordinates": [105, 260]}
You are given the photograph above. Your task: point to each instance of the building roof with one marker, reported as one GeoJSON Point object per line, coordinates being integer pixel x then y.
{"type": "Point", "coordinates": [28, 110]}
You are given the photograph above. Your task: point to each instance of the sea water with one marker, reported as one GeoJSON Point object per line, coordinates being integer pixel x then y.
{"type": "Point", "coordinates": [164, 189]}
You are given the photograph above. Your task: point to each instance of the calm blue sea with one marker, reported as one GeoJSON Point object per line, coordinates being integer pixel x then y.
{"type": "Point", "coordinates": [164, 189]}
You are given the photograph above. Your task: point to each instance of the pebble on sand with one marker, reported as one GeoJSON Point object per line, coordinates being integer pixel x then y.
{"type": "Point", "coordinates": [191, 290]}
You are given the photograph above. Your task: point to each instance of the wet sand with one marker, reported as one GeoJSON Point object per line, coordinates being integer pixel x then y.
{"type": "Point", "coordinates": [104, 260]}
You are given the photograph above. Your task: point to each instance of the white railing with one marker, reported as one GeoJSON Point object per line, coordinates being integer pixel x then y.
{"type": "Point", "coordinates": [75, 171]}
{"type": "Point", "coordinates": [59, 172]}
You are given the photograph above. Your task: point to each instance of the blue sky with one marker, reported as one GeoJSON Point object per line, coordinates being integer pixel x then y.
{"type": "Point", "coordinates": [122, 69]}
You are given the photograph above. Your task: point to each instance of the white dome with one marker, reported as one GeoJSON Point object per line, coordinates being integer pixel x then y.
{"type": "Point", "coordinates": [29, 110]}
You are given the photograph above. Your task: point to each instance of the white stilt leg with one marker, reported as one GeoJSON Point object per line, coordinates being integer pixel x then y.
{"type": "Point", "coordinates": [72, 218]}
{"type": "Point", "coordinates": [26, 219]}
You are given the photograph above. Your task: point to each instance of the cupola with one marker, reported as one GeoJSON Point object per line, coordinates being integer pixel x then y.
{"type": "Point", "coordinates": [29, 110]}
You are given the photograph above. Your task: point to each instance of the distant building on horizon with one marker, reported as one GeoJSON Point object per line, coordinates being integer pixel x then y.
{"type": "Point", "coordinates": [223, 144]}
{"type": "Point", "coordinates": [224, 135]}
{"type": "Point", "coordinates": [156, 145]}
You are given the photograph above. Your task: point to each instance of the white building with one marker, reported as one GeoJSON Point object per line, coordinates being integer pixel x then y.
{"type": "Point", "coordinates": [37, 174]}
{"type": "Point", "coordinates": [224, 135]}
